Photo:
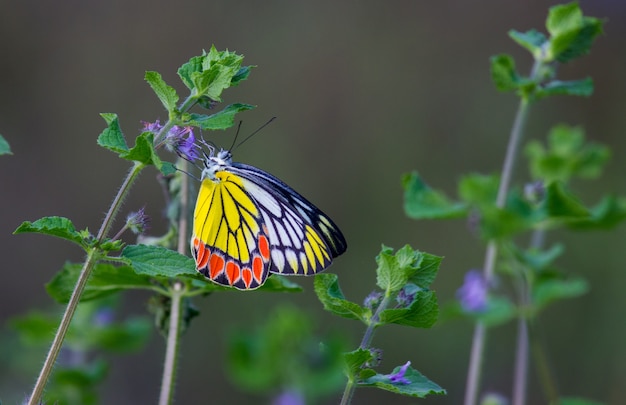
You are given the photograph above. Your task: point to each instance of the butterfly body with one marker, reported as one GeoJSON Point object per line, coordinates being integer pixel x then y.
{"type": "Point", "coordinates": [249, 224]}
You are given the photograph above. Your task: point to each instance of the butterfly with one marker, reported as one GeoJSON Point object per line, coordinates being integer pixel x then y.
{"type": "Point", "coordinates": [249, 224]}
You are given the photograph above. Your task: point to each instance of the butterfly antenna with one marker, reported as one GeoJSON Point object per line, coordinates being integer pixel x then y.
{"type": "Point", "coordinates": [236, 135]}
{"type": "Point", "coordinates": [254, 133]}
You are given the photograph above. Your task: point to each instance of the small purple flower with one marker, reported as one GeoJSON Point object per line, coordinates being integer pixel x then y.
{"type": "Point", "coordinates": [535, 192]}
{"type": "Point", "coordinates": [153, 127]}
{"type": "Point", "coordinates": [138, 221]}
{"type": "Point", "coordinates": [473, 292]}
{"type": "Point", "coordinates": [289, 397]}
{"type": "Point", "coordinates": [103, 317]}
{"type": "Point", "coordinates": [373, 300]}
{"type": "Point", "coordinates": [406, 296]}
{"type": "Point", "coordinates": [398, 377]}
{"type": "Point", "coordinates": [179, 140]}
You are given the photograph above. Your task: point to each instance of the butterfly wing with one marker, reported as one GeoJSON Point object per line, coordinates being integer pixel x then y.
{"type": "Point", "coordinates": [303, 240]}
{"type": "Point", "coordinates": [230, 243]}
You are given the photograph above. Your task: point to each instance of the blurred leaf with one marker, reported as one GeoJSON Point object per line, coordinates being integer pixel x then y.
{"type": "Point", "coordinates": [330, 295]}
{"type": "Point", "coordinates": [105, 279]}
{"type": "Point", "coordinates": [561, 204]}
{"type": "Point", "coordinates": [607, 214]}
{"type": "Point", "coordinates": [55, 226]}
{"type": "Point", "coordinates": [582, 87]}
{"type": "Point", "coordinates": [418, 385]}
{"type": "Point", "coordinates": [503, 73]}
{"type": "Point", "coordinates": [5, 149]}
{"type": "Point", "coordinates": [76, 385]}
{"type": "Point", "coordinates": [112, 137]}
{"type": "Point", "coordinates": [532, 40]}
{"type": "Point", "coordinates": [35, 328]}
{"type": "Point", "coordinates": [165, 93]}
{"type": "Point", "coordinates": [571, 33]}
{"type": "Point", "coordinates": [546, 291]}
{"type": "Point", "coordinates": [422, 313]}
{"type": "Point", "coordinates": [422, 202]}
{"type": "Point", "coordinates": [479, 189]}
{"type": "Point", "coordinates": [538, 260]}
{"type": "Point", "coordinates": [566, 156]}
{"type": "Point", "coordinates": [220, 120]}
{"type": "Point", "coordinates": [128, 336]}
{"type": "Point", "coordinates": [499, 310]}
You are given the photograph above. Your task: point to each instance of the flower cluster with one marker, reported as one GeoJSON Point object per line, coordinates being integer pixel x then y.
{"type": "Point", "coordinates": [179, 140]}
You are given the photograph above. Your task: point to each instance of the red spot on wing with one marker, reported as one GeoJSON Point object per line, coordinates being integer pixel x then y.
{"type": "Point", "coordinates": [203, 256]}
{"type": "Point", "coordinates": [257, 269]}
{"type": "Point", "coordinates": [233, 272]}
{"type": "Point", "coordinates": [216, 265]}
{"type": "Point", "coordinates": [246, 275]}
{"type": "Point", "coordinates": [264, 247]}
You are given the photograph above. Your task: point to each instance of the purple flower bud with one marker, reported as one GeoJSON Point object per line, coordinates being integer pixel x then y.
{"type": "Point", "coordinates": [473, 292]}
{"type": "Point", "coordinates": [153, 127]}
{"type": "Point", "coordinates": [406, 296]}
{"type": "Point", "coordinates": [535, 192]}
{"type": "Point", "coordinates": [398, 376]}
{"type": "Point", "coordinates": [373, 300]}
{"type": "Point", "coordinates": [137, 222]}
{"type": "Point", "coordinates": [183, 142]}
{"type": "Point", "coordinates": [103, 317]}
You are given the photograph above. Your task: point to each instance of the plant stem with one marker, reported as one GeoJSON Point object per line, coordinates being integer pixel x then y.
{"type": "Point", "coordinates": [92, 257]}
{"type": "Point", "coordinates": [171, 351]}
{"type": "Point", "coordinates": [348, 392]}
{"type": "Point", "coordinates": [173, 335]}
{"type": "Point", "coordinates": [478, 342]}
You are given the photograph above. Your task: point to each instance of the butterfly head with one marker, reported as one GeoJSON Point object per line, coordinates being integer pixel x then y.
{"type": "Point", "coordinates": [216, 161]}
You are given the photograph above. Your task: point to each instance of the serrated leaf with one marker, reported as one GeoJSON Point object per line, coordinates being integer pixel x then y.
{"type": "Point", "coordinates": [328, 292]}
{"type": "Point", "coordinates": [112, 137]}
{"type": "Point", "coordinates": [105, 279]}
{"type": "Point", "coordinates": [503, 73]}
{"type": "Point", "coordinates": [582, 87]}
{"type": "Point", "coordinates": [165, 93]}
{"type": "Point", "coordinates": [55, 226]}
{"type": "Point", "coordinates": [395, 270]}
{"type": "Point", "coordinates": [241, 75]}
{"type": "Point", "coordinates": [355, 360]}
{"type": "Point", "coordinates": [220, 120]}
{"type": "Point", "coordinates": [422, 313]}
{"type": "Point", "coordinates": [532, 40]}
{"type": "Point", "coordinates": [418, 385]}
{"type": "Point", "coordinates": [143, 151]}
{"type": "Point", "coordinates": [5, 149]}
{"type": "Point", "coordinates": [607, 214]}
{"type": "Point", "coordinates": [428, 268]}
{"type": "Point", "coordinates": [156, 261]}
{"type": "Point", "coordinates": [546, 291]}
{"type": "Point", "coordinates": [422, 202]}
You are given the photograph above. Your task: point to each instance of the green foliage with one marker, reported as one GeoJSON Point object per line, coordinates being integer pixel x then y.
{"type": "Point", "coordinates": [571, 36]}
{"type": "Point", "coordinates": [285, 353]}
{"type": "Point", "coordinates": [220, 120]}
{"type": "Point", "coordinates": [566, 156]}
{"type": "Point", "coordinates": [165, 93]}
{"type": "Point", "coordinates": [416, 385]}
{"type": "Point", "coordinates": [422, 202]}
{"type": "Point", "coordinates": [56, 226]}
{"type": "Point", "coordinates": [5, 149]}
{"type": "Point", "coordinates": [575, 401]}
{"type": "Point", "coordinates": [330, 295]}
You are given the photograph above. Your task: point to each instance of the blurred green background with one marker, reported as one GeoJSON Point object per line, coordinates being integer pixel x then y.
{"type": "Point", "coordinates": [364, 91]}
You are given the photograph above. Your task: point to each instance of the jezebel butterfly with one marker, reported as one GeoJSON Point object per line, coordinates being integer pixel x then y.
{"type": "Point", "coordinates": [248, 224]}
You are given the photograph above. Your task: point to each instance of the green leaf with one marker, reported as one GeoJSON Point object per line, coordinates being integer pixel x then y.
{"type": "Point", "coordinates": [5, 149]}
{"type": "Point", "coordinates": [112, 137]}
{"type": "Point", "coordinates": [422, 313]}
{"type": "Point", "coordinates": [156, 261]}
{"type": "Point", "coordinates": [428, 268]}
{"type": "Point", "coordinates": [532, 40]}
{"type": "Point", "coordinates": [538, 260]}
{"type": "Point", "coordinates": [419, 386]}
{"type": "Point", "coordinates": [498, 311]}
{"type": "Point", "coordinates": [220, 120]}
{"type": "Point", "coordinates": [395, 270]}
{"type": "Point", "coordinates": [278, 283]}
{"type": "Point", "coordinates": [571, 33]}
{"type": "Point", "coordinates": [567, 156]}
{"type": "Point", "coordinates": [503, 73]}
{"type": "Point", "coordinates": [328, 292]}
{"type": "Point", "coordinates": [105, 280]}
{"type": "Point", "coordinates": [241, 75]}
{"type": "Point", "coordinates": [165, 93]}
{"type": "Point", "coordinates": [422, 202]}
{"type": "Point", "coordinates": [35, 328]}
{"type": "Point", "coordinates": [607, 214]}
{"type": "Point", "coordinates": [561, 204]}
{"type": "Point", "coordinates": [546, 291]}
{"type": "Point", "coordinates": [55, 226]}
{"type": "Point", "coordinates": [128, 336]}
{"type": "Point", "coordinates": [143, 151]}
{"type": "Point", "coordinates": [355, 361]}
{"type": "Point", "coordinates": [582, 87]}
{"type": "Point", "coordinates": [479, 189]}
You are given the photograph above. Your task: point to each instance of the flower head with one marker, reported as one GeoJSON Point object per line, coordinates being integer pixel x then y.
{"type": "Point", "coordinates": [372, 301]}
{"type": "Point", "coordinates": [179, 140]}
{"type": "Point", "coordinates": [406, 296]}
{"type": "Point", "coordinates": [137, 222]}
{"type": "Point", "coordinates": [473, 292]}
{"type": "Point", "coordinates": [398, 377]}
